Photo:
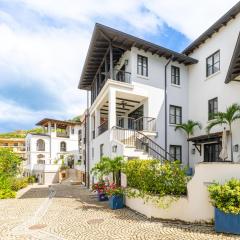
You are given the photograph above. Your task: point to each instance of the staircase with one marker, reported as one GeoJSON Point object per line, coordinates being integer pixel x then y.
{"type": "Point", "coordinates": [140, 143]}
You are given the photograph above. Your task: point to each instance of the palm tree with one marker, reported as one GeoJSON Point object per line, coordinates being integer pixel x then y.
{"type": "Point", "coordinates": [232, 113]}
{"type": "Point", "coordinates": [188, 128]}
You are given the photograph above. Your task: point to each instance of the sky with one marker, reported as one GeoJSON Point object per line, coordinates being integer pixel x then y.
{"type": "Point", "coordinates": [43, 44]}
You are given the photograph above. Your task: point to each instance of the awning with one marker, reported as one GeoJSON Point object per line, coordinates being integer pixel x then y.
{"type": "Point", "coordinates": [211, 137]}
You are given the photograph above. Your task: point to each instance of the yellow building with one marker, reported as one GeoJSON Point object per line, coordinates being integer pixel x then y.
{"type": "Point", "coordinates": [16, 144]}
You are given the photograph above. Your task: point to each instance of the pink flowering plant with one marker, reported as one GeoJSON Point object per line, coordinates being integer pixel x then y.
{"type": "Point", "coordinates": [114, 190]}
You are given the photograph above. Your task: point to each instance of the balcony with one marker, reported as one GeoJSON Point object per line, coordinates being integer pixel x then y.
{"type": "Point", "coordinates": [146, 124]}
{"type": "Point", "coordinates": [98, 84]}
{"type": "Point", "coordinates": [62, 134]}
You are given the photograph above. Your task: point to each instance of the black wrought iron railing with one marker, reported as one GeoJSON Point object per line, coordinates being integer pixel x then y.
{"type": "Point", "coordinates": [103, 128]}
{"type": "Point", "coordinates": [121, 76]}
{"type": "Point", "coordinates": [147, 124]}
{"type": "Point", "coordinates": [140, 141]}
{"type": "Point", "coordinates": [98, 84]}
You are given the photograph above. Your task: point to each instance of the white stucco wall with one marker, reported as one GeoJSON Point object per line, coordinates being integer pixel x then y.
{"type": "Point", "coordinates": [196, 206]}
{"type": "Point", "coordinates": [202, 89]}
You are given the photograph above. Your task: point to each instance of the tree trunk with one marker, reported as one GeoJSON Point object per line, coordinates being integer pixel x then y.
{"type": "Point", "coordinates": [188, 152]}
{"type": "Point", "coordinates": [231, 142]}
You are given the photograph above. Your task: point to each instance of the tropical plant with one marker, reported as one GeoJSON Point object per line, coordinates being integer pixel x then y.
{"type": "Point", "coordinates": [106, 166]}
{"type": "Point", "coordinates": [232, 114]}
{"type": "Point", "coordinates": [188, 128]}
{"type": "Point", "coordinates": [226, 197]}
{"type": "Point", "coordinates": [9, 162]}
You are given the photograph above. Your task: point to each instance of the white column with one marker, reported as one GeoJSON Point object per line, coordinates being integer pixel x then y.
{"type": "Point", "coordinates": [111, 108]}
{"type": "Point", "coordinates": [49, 128]}
{"type": "Point", "coordinates": [97, 121]}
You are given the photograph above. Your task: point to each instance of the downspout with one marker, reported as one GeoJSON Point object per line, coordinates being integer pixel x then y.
{"type": "Point", "coordinates": [87, 140]}
{"type": "Point", "coordinates": [165, 105]}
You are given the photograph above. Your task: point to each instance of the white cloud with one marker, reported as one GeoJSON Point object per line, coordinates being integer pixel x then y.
{"type": "Point", "coordinates": [190, 17]}
{"type": "Point", "coordinates": [54, 55]}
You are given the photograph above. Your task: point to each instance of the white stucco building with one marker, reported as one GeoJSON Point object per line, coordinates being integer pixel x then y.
{"type": "Point", "coordinates": [59, 143]}
{"type": "Point", "coordinates": [140, 91]}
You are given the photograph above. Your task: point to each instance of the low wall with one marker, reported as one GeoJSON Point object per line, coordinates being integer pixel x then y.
{"type": "Point", "coordinates": [196, 206]}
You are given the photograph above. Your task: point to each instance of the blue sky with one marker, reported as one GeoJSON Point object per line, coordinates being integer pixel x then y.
{"type": "Point", "coordinates": [43, 45]}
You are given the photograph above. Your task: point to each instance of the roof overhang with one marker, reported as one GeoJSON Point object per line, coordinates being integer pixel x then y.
{"type": "Point", "coordinates": [60, 123]}
{"type": "Point", "coordinates": [234, 67]}
{"type": "Point", "coordinates": [213, 29]}
{"type": "Point", "coordinates": [101, 38]}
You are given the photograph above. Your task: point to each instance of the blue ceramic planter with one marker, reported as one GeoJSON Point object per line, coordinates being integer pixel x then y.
{"type": "Point", "coordinates": [189, 172]}
{"type": "Point", "coordinates": [102, 197]}
{"type": "Point", "coordinates": [116, 202]}
{"type": "Point", "coordinates": [227, 222]}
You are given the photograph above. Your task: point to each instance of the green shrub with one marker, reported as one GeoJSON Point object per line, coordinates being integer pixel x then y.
{"type": "Point", "coordinates": [153, 178]}
{"type": "Point", "coordinates": [5, 182]}
{"type": "Point", "coordinates": [226, 197]}
{"type": "Point", "coordinates": [31, 179]}
{"type": "Point", "coordinates": [19, 183]}
{"type": "Point", "coordinates": [7, 193]}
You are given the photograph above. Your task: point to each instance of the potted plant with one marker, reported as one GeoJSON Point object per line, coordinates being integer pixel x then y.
{"type": "Point", "coordinates": [226, 200]}
{"type": "Point", "coordinates": [115, 196]}
{"type": "Point", "coordinates": [100, 187]}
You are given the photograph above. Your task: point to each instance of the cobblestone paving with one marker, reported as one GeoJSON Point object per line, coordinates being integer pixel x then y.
{"type": "Point", "coordinates": [73, 213]}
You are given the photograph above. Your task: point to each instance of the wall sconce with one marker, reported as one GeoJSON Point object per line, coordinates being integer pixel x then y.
{"type": "Point", "coordinates": [126, 62]}
{"type": "Point", "coordinates": [193, 151]}
{"type": "Point", "coordinates": [114, 148]}
{"type": "Point", "coordinates": [236, 148]}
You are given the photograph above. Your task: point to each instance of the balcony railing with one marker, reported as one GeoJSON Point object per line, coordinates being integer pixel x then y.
{"type": "Point", "coordinates": [147, 124]}
{"type": "Point", "coordinates": [103, 127]}
{"type": "Point", "coordinates": [63, 134]}
{"type": "Point", "coordinates": [121, 76]}
{"type": "Point", "coordinates": [118, 75]}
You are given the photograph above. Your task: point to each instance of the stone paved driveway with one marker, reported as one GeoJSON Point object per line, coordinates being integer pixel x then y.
{"type": "Point", "coordinates": [73, 213]}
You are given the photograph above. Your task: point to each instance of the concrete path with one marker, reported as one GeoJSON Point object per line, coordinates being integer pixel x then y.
{"type": "Point", "coordinates": [72, 212]}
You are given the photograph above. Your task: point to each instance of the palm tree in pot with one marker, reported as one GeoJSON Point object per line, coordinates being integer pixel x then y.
{"type": "Point", "coordinates": [232, 114]}
{"type": "Point", "coordinates": [188, 128]}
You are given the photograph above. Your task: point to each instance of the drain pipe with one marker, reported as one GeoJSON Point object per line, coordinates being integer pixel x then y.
{"type": "Point", "coordinates": [165, 104]}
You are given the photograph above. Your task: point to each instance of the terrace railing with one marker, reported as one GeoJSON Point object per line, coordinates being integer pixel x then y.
{"type": "Point", "coordinates": [133, 138]}
{"type": "Point", "coordinates": [103, 128]}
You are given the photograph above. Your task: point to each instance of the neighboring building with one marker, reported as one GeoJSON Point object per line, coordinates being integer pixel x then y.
{"type": "Point", "coordinates": [214, 84]}
{"type": "Point", "coordinates": [80, 166]}
{"type": "Point", "coordinates": [141, 91]}
{"type": "Point", "coordinates": [47, 151]}
{"type": "Point", "coordinates": [16, 144]}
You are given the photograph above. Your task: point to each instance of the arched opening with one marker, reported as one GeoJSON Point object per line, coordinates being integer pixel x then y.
{"type": "Point", "coordinates": [40, 145]}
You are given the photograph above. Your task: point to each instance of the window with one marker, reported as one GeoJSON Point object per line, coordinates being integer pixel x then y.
{"type": "Point", "coordinates": [40, 145]}
{"type": "Point", "coordinates": [72, 130]}
{"type": "Point", "coordinates": [63, 147]}
{"type": "Point", "coordinates": [175, 75]}
{"type": "Point", "coordinates": [212, 108]}
{"type": "Point", "coordinates": [101, 150]}
{"type": "Point", "coordinates": [5, 144]}
{"type": "Point", "coordinates": [176, 152]}
{"type": "Point", "coordinates": [175, 115]}
{"type": "Point", "coordinates": [15, 144]}
{"type": "Point", "coordinates": [142, 65]}
{"type": "Point", "coordinates": [40, 159]}
{"type": "Point", "coordinates": [213, 63]}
